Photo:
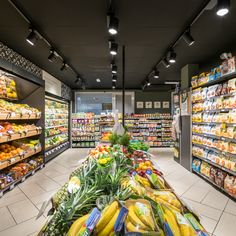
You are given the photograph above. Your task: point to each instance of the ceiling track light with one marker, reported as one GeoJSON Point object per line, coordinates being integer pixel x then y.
{"type": "Point", "coordinates": [113, 85]}
{"type": "Point", "coordinates": [172, 56]}
{"type": "Point", "coordinates": [113, 69]}
{"type": "Point", "coordinates": [188, 38]}
{"type": "Point", "coordinates": [222, 7]}
{"type": "Point", "coordinates": [147, 82]}
{"type": "Point", "coordinates": [156, 74]}
{"type": "Point", "coordinates": [165, 63]}
{"type": "Point", "coordinates": [113, 48]}
{"type": "Point", "coordinates": [113, 24]}
{"type": "Point", "coordinates": [52, 56]}
{"type": "Point", "coordinates": [32, 37]}
{"type": "Point", "coordinates": [63, 66]}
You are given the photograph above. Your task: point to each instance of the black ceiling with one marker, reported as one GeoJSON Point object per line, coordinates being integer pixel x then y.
{"type": "Point", "coordinates": [78, 30]}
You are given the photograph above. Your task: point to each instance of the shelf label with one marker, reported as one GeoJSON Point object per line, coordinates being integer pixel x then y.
{"type": "Point", "coordinates": [12, 186]}
{"type": "Point", "coordinates": [33, 172]}
{"type": "Point", "coordinates": [13, 114]}
{"type": "Point", "coordinates": [23, 179]}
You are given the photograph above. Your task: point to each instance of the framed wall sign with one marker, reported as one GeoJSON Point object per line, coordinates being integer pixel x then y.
{"type": "Point", "coordinates": [139, 105]}
{"type": "Point", "coordinates": [157, 104]}
{"type": "Point", "coordinates": [166, 104]}
{"type": "Point", "coordinates": [148, 104]}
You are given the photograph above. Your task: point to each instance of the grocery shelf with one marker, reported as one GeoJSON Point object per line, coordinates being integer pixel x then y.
{"type": "Point", "coordinates": [214, 184]}
{"type": "Point", "coordinates": [216, 111]}
{"type": "Point", "coordinates": [9, 162]}
{"type": "Point", "coordinates": [13, 184]}
{"type": "Point", "coordinates": [15, 116]}
{"type": "Point", "coordinates": [216, 165]}
{"type": "Point", "coordinates": [54, 135]}
{"type": "Point", "coordinates": [213, 123]}
{"type": "Point", "coordinates": [215, 137]}
{"type": "Point", "coordinates": [31, 133]}
{"type": "Point", "coordinates": [219, 80]}
{"type": "Point", "coordinates": [83, 140]}
{"type": "Point", "coordinates": [49, 155]}
{"type": "Point", "coordinates": [215, 150]}
{"type": "Point", "coordinates": [56, 145]}
{"type": "Point", "coordinates": [56, 126]}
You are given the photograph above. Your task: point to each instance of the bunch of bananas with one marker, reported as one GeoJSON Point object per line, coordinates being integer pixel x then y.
{"type": "Point", "coordinates": [105, 225]}
{"type": "Point", "coordinates": [140, 218]}
{"type": "Point", "coordinates": [76, 227]}
{"type": "Point", "coordinates": [143, 181]}
{"type": "Point", "coordinates": [178, 224]}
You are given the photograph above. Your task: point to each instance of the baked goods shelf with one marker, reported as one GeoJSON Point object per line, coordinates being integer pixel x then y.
{"type": "Point", "coordinates": [215, 137]}
{"type": "Point", "coordinates": [216, 165]}
{"type": "Point", "coordinates": [213, 123]}
{"type": "Point", "coordinates": [26, 134]}
{"type": "Point", "coordinates": [17, 116]}
{"type": "Point", "coordinates": [13, 184]}
{"type": "Point", "coordinates": [214, 184]}
{"type": "Point", "coordinates": [6, 163]}
{"type": "Point", "coordinates": [227, 154]}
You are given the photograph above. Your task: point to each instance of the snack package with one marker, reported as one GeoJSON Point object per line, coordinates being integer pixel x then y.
{"type": "Point", "coordinates": [213, 173]}
{"type": "Point", "coordinates": [232, 85]}
{"type": "Point", "coordinates": [205, 169]}
{"type": "Point", "coordinates": [220, 177]}
{"type": "Point", "coordinates": [194, 81]}
{"type": "Point", "coordinates": [196, 165]}
{"type": "Point", "coordinates": [230, 185]}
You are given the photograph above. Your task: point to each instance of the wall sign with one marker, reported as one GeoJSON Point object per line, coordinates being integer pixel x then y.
{"type": "Point", "coordinates": [139, 105]}
{"type": "Point", "coordinates": [166, 104]}
{"type": "Point", "coordinates": [148, 104]}
{"type": "Point", "coordinates": [157, 104]}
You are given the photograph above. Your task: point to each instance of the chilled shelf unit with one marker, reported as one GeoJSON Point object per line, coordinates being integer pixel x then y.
{"type": "Point", "coordinates": [214, 132]}
{"type": "Point", "coordinates": [56, 126]}
{"type": "Point", "coordinates": [21, 122]}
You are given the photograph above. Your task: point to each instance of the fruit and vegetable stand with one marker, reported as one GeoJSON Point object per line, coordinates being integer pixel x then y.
{"type": "Point", "coordinates": [119, 191]}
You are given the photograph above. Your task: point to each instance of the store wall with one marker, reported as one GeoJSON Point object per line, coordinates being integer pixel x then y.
{"type": "Point", "coordinates": [158, 96]}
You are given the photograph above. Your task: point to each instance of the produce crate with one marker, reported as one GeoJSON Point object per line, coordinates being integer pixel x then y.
{"type": "Point", "coordinates": [17, 116]}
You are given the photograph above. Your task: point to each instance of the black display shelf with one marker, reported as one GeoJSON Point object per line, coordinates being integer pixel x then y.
{"type": "Point", "coordinates": [216, 165]}
{"type": "Point", "coordinates": [222, 190]}
{"type": "Point", "coordinates": [227, 154]}
{"type": "Point", "coordinates": [56, 151]}
{"type": "Point", "coordinates": [215, 137]}
{"type": "Point", "coordinates": [56, 146]}
{"type": "Point", "coordinates": [77, 141]}
{"type": "Point", "coordinates": [216, 81]}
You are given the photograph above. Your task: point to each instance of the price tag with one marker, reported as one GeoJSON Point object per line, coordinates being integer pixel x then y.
{"type": "Point", "coordinates": [12, 160]}
{"type": "Point", "coordinates": [12, 186]}
{"type": "Point", "coordinates": [23, 179]}
{"type": "Point", "coordinates": [33, 172]}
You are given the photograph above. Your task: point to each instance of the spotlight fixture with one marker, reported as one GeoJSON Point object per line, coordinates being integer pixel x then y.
{"type": "Point", "coordinates": [98, 80]}
{"type": "Point", "coordinates": [156, 74]}
{"type": "Point", "coordinates": [78, 79]}
{"type": "Point", "coordinates": [52, 57]}
{"type": "Point", "coordinates": [165, 63]}
{"type": "Point", "coordinates": [32, 37]}
{"type": "Point", "coordinates": [63, 66]}
{"type": "Point", "coordinates": [172, 56]}
{"type": "Point", "coordinates": [148, 83]}
{"type": "Point", "coordinates": [113, 69]}
{"type": "Point", "coordinates": [113, 85]}
{"type": "Point", "coordinates": [113, 48]}
{"type": "Point", "coordinates": [222, 7]}
{"type": "Point", "coordinates": [114, 78]}
{"type": "Point", "coordinates": [113, 25]}
{"type": "Point", "coordinates": [188, 38]}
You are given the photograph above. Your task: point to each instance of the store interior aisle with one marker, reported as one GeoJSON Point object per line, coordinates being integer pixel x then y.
{"type": "Point", "coordinates": [19, 208]}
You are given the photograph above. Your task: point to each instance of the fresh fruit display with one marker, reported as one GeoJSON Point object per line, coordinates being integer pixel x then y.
{"type": "Point", "coordinates": [55, 140]}
{"type": "Point", "coordinates": [7, 87]}
{"type": "Point", "coordinates": [106, 196]}
{"type": "Point", "coordinates": [7, 151]}
{"type": "Point", "coordinates": [8, 108]}
{"type": "Point", "coordinates": [55, 131]}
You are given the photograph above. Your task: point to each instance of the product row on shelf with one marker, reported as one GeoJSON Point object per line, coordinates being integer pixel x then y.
{"type": "Point", "coordinates": [128, 195]}
{"type": "Point", "coordinates": [213, 128]}
{"type": "Point", "coordinates": [21, 151]}
{"type": "Point", "coordinates": [155, 129]}
{"type": "Point", "coordinates": [56, 126]}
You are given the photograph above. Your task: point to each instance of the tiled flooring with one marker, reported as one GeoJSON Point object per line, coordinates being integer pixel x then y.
{"type": "Point", "coordinates": [19, 207]}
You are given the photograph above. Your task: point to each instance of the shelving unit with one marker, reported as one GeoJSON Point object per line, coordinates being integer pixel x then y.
{"type": "Point", "coordinates": [56, 126]}
{"type": "Point", "coordinates": [21, 136]}
{"type": "Point", "coordinates": [213, 131]}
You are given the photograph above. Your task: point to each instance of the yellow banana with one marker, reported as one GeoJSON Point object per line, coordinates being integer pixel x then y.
{"type": "Point", "coordinates": [133, 218]}
{"type": "Point", "coordinates": [131, 228]}
{"type": "Point", "coordinates": [159, 200]}
{"type": "Point", "coordinates": [75, 227]}
{"type": "Point", "coordinates": [109, 226]}
{"type": "Point", "coordinates": [144, 214]}
{"type": "Point", "coordinates": [170, 218]}
{"type": "Point", "coordinates": [107, 214]}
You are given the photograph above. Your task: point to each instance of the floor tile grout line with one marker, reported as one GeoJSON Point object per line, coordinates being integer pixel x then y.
{"type": "Point", "coordinates": [220, 217]}
{"type": "Point", "coordinates": [11, 214]}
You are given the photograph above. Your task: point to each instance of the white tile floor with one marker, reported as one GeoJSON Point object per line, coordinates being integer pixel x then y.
{"type": "Point", "coordinates": [19, 208]}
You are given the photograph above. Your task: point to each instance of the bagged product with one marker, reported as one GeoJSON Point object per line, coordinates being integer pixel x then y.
{"type": "Point", "coordinates": [213, 173]}
{"type": "Point", "coordinates": [232, 85]}
{"type": "Point", "coordinates": [194, 81]}
{"type": "Point", "coordinates": [220, 177]}
{"type": "Point", "coordinates": [196, 165]}
{"type": "Point", "coordinates": [205, 169]}
{"type": "Point", "coordinates": [230, 185]}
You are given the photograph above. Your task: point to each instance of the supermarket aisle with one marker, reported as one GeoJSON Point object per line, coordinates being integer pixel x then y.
{"type": "Point", "coordinates": [19, 208]}
{"type": "Point", "coordinates": [217, 212]}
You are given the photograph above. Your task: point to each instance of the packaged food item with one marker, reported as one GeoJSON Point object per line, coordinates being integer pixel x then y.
{"type": "Point", "coordinates": [225, 89]}
{"type": "Point", "coordinates": [194, 81]}
{"type": "Point", "coordinates": [219, 90]}
{"type": "Point", "coordinates": [230, 185]}
{"type": "Point", "coordinates": [220, 177]}
{"type": "Point", "coordinates": [196, 165]}
{"type": "Point", "coordinates": [205, 169]}
{"type": "Point", "coordinates": [232, 148]}
{"type": "Point", "coordinates": [213, 173]}
{"type": "Point", "coordinates": [228, 66]}
{"type": "Point", "coordinates": [232, 85]}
